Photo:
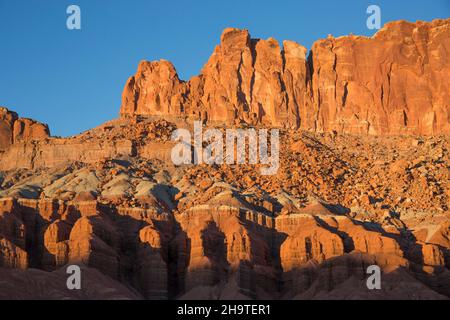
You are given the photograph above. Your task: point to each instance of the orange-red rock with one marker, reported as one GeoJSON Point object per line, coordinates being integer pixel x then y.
{"type": "Point", "coordinates": [393, 83]}
{"type": "Point", "coordinates": [111, 201]}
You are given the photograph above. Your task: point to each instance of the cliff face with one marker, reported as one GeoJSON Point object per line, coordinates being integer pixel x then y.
{"type": "Point", "coordinates": [111, 200]}
{"type": "Point", "coordinates": [107, 200]}
{"type": "Point", "coordinates": [14, 129]}
{"type": "Point", "coordinates": [208, 252]}
{"type": "Point", "coordinates": [244, 80]}
{"type": "Point", "coordinates": [393, 83]}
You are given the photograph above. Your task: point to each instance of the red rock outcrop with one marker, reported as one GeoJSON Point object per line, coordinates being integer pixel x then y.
{"type": "Point", "coordinates": [244, 80]}
{"type": "Point", "coordinates": [12, 237]}
{"type": "Point", "coordinates": [218, 247]}
{"type": "Point", "coordinates": [7, 119]}
{"type": "Point", "coordinates": [152, 269]}
{"type": "Point", "coordinates": [111, 200]}
{"type": "Point", "coordinates": [56, 243]}
{"type": "Point", "coordinates": [393, 83]}
{"type": "Point", "coordinates": [29, 130]}
{"type": "Point", "coordinates": [94, 241]}
{"type": "Point", "coordinates": [14, 129]}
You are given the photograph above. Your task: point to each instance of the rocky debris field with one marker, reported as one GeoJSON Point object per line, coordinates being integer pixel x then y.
{"type": "Point", "coordinates": [338, 204]}
{"type": "Point", "coordinates": [363, 179]}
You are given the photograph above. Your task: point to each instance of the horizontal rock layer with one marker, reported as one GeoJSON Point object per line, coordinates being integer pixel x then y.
{"type": "Point", "coordinates": [14, 129]}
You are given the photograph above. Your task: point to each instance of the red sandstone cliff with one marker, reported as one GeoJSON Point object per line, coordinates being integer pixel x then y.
{"type": "Point", "coordinates": [14, 129]}
{"type": "Point", "coordinates": [111, 201]}
{"type": "Point", "coordinates": [393, 83]}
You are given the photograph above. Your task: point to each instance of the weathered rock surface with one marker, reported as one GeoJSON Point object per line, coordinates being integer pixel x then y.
{"type": "Point", "coordinates": [338, 204]}
{"type": "Point", "coordinates": [393, 83]}
{"type": "Point", "coordinates": [223, 244]}
{"type": "Point", "coordinates": [364, 193]}
{"type": "Point", "coordinates": [14, 129]}
{"type": "Point", "coordinates": [35, 284]}
{"type": "Point", "coordinates": [7, 120]}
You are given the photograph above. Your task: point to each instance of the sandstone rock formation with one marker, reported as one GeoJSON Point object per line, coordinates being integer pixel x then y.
{"type": "Point", "coordinates": [393, 83]}
{"type": "Point", "coordinates": [36, 284]}
{"type": "Point", "coordinates": [29, 130]}
{"type": "Point", "coordinates": [14, 129]}
{"type": "Point", "coordinates": [339, 204]}
{"type": "Point", "coordinates": [6, 127]}
{"type": "Point", "coordinates": [357, 188]}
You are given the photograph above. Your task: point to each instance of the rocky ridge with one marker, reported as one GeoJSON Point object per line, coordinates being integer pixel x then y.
{"type": "Point", "coordinates": [350, 191]}
{"type": "Point", "coordinates": [393, 83]}
{"type": "Point", "coordinates": [338, 204]}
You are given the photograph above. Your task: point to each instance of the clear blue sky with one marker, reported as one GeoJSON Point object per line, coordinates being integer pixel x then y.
{"type": "Point", "coordinates": [73, 80]}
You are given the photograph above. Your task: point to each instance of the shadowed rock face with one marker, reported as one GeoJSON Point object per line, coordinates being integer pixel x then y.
{"type": "Point", "coordinates": [393, 83]}
{"type": "Point", "coordinates": [7, 120]}
{"type": "Point", "coordinates": [208, 252]}
{"type": "Point", "coordinates": [111, 200]}
{"type": "Point", "coordinates": [339, 204]}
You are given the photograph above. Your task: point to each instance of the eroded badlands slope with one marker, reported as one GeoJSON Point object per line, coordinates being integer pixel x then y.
{"type": "Point", "coordinates": [111, 200]}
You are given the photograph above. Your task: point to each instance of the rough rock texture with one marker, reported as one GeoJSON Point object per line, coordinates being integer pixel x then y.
{"type": "Point", "coordinates": [111, 200]}
{"type": "Point", "coordinates": [393, 83]}
{"type": "Point", "coordinates": [35, 284]}
{"type": "Point", "coordinates": [245, 79]}
{"type": "Point", "coordinates": [210, 251]}
{"type": "Point", "coordinates": [338, 204]}
{"type": "Point", "coordinates": [7, 120]}
{"type": "Point", "coordinates": [117, 137]}
{"type": "Point", "coordinates": [14, 129]}
{"type": "Point", "coordinates": [29, 130]}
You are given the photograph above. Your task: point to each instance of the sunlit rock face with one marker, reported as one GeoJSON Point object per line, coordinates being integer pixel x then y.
{"type": "Point", "coordinates": [393, 83]}
{"type": "Point", "coordinates": [363, 179]}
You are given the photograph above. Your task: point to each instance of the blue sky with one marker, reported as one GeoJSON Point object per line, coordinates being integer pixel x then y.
{"type": "Point", "coordinates": [73, 80]}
